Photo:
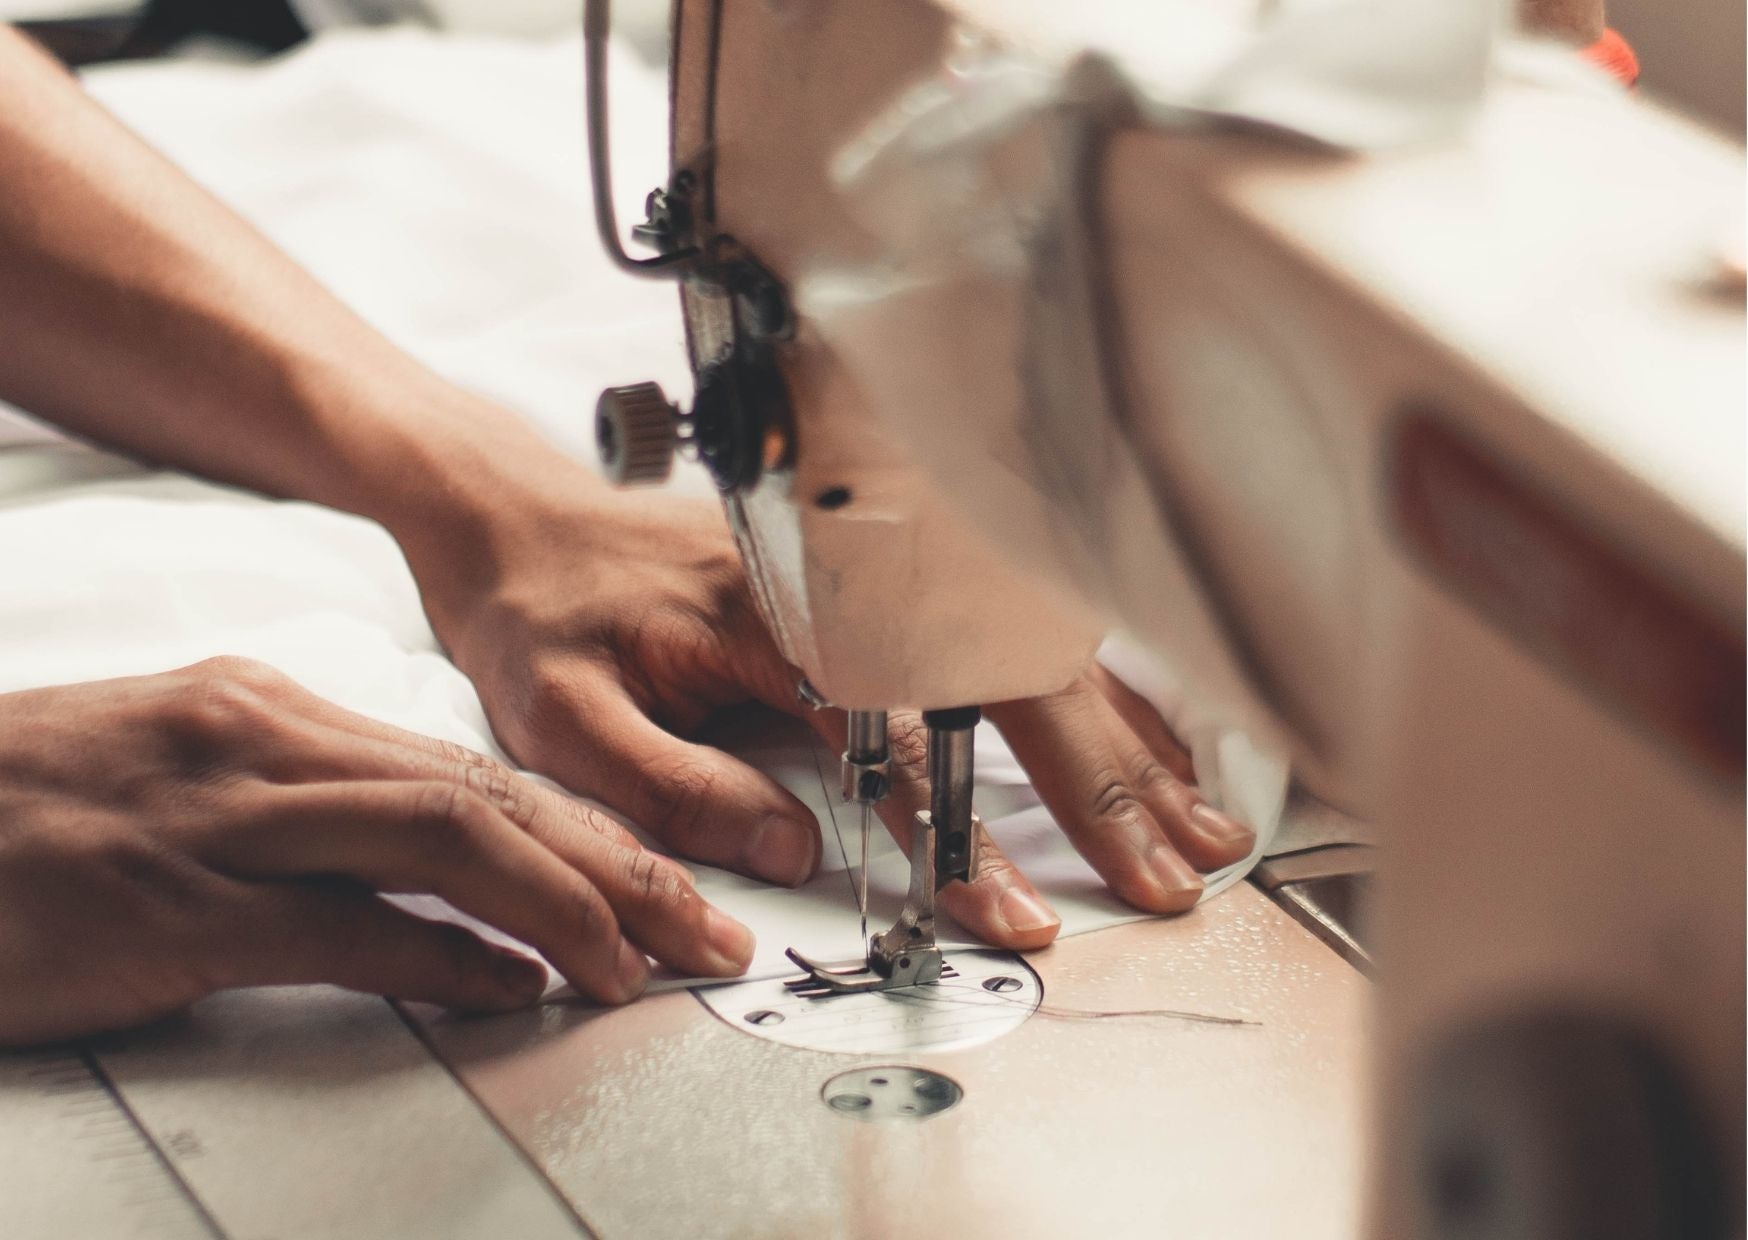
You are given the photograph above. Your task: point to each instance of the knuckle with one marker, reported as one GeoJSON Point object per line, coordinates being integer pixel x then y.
{"type": "Point", "coordinates": [596, 822]}
{"type": "Point", "coordinates": [652, 882]}
{"type": "Point", "coordinates": [1115, 799]}
{"type": "Point", "coordinates": [498, 787]}
{"type": "Point", "coordinates": [246, 678]}
{"type": "Point", "coordinates": [460, 755]}
{"type": "Point", "coordinates": [446, 810]}
{"type": "Point", "coordinates": [551, 690]}
{"type": "Point", "coordinates": [228, 697]}
{"type": "Point", "coordinates": [679, 795]}
{"type": "Point", "coordinates": [1151, 778]}
{"type": "Point", "coordinates": [237, 669]}
{"type": "Point", "coordinates": [994, 867]}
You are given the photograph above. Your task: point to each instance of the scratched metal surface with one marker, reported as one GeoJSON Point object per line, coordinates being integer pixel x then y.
{"type": "Point", "coordinates": [309, 1111]}
{"type": "Point", "coordinates": [662, 1121]}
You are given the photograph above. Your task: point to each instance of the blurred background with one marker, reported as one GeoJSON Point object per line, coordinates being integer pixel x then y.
{"type": "Point", "coordinates": [1691, 52]}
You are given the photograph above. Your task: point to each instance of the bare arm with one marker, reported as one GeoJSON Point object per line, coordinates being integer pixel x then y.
{"type": "Point", "coordinates": [137, 310]}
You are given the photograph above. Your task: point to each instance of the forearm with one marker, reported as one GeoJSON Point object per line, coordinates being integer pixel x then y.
{"type": "Point", "coordinates": [138, 311]}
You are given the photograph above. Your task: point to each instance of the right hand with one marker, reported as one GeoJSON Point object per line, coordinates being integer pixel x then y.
{"type": "Point", "coordinates": [603, 629]}
{"type": "Point", "coordinates": [163, 837]}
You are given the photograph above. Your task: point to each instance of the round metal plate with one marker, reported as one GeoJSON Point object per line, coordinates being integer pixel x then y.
{"type": "Point", "coordinates": [890, 1092]}
{"type": "Point", "coordinates": [989, 993]}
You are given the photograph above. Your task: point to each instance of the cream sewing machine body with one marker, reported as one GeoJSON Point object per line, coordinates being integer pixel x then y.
{"type": "Point", "coordinates": [1424, 467]}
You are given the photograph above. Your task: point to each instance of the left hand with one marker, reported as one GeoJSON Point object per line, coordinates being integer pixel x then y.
{"type": "Point", "coordinates": [607, 626]}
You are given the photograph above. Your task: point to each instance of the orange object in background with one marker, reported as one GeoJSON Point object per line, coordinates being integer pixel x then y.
{"type": "Point", "coordinates": [1615, 54]}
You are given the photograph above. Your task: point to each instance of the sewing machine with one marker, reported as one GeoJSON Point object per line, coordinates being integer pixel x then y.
{"type": "Point", "coordinates": [1424, 467]}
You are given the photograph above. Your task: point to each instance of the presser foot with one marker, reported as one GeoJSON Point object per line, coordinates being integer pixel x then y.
{"type": "Point", "coordinates": [917, 967]}
{"type": "Point", "coordinates": [944, 840]}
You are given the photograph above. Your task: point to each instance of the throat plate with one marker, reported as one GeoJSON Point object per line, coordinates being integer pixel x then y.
{"type": "Point", "coordinates": [990, 993]}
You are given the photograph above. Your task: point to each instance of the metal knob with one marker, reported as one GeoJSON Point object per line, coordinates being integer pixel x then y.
{"type": "Point", "coordinates": [636, 430]}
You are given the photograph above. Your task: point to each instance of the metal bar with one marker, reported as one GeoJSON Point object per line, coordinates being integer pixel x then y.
{"type": "Point", "coordinates": [597, 27]}
{"type": "Point", "coordinates": [951, 775]}
{"type": "Point", "coordinates": [867, 742]}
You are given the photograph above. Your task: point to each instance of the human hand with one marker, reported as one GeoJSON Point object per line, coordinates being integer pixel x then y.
{"type": "Point", "coordinates": [603, 628]}
{"type": "Point", "coordinates": [163, 837]}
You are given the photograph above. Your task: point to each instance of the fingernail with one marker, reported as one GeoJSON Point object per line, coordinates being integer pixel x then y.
{"type": "Point", "coordinates": [1172, 872]}
{"type": "Point", "coordinates": [782, 851]}
{"type": "Point", "coordinates": [521, 978]}
{"type": "Point", "coordinates": [631, 969]}
{"type": "Point", "coordinates": [729, 939]}
{"type": "Point", "coordinates": [1223, 827]}
{"type": "Point", "coordinates": [1024, 912]}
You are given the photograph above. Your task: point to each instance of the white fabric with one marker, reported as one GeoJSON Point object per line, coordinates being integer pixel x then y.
{"type": "Point", "coordinates": [1363, 74]}
{"type": "Point", "coordinates": [16, 428]}
{"type": "Point", "coordinates": [439, 186]}
{"type": "Point", "coordinates": [60, 10]}
{"type": "Point", "coordinates": [524, 18]}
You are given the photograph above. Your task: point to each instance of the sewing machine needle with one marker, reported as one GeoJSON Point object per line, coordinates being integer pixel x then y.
{"type": "Point", "coordinates": [862, 885]}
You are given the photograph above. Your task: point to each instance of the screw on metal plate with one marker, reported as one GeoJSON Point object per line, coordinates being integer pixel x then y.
{"type": "Point", "coordinates": [1002, 985]}
{"type": "Point", "coordinates": [891, 1091]}
{"type": "Point", "coordinates": [764, 1016]}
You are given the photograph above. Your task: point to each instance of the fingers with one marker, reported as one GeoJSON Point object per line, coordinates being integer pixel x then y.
{"type": "Point", "coordinates": [314, 740]}
{"type": "Point", "coordinates": [669, 919]}
{"type": "Point", "coordinates": [1063, 742]}
{"type": "Point", "coordinates": [998, 904]}
{"type": "Point", "coordinates": [338, 934]}
{"type": "Point", "coordinates": [443, 839]}
{"type": "Point", "coordinates": [1145, 722]}
{"type": "Point", "coordinates": [1136, 823]}
{"type": "Point", "coordinates": [699, 801]}
{"type": "Point", "coordinates": [370, 750]}
{"type": "Point", "coordinates": [652, 894]}
{"type": "Point", "coordinates": [1205, 835]}
{"type": "Point", "coordinates": [398, 755]}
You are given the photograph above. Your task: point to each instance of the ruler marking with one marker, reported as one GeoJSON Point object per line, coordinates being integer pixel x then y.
{"type": "Point", "coordinates": [177, 1183]}
{"type": "Point", "coordinates": [82, 1100]}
